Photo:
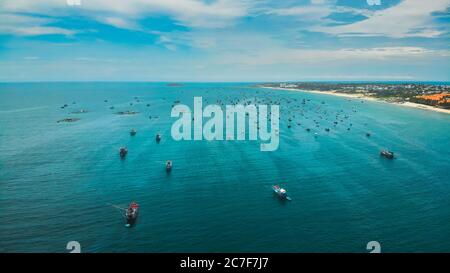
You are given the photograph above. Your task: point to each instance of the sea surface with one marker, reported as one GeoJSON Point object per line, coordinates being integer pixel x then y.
{"type": "Point", "coordinates": [62, 182]}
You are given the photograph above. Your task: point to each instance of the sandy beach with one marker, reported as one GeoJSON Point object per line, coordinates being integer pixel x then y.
{"type": "Point", "coordinates": [363, 97]}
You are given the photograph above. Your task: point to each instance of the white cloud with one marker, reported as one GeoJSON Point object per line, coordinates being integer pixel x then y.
{"type": "Point", "coordinates": [24, 25]}
{"type": "Point", "coordinates": [126, 13]}
{"type": "Point", "coordinates": [323, 56]}
{"type": "Point", "coordinates": [317, 12]}
{"type": "Point", "coordinates": [361, 77]}
{"type": "Point", "coordinates": [318, 2]}
{"type": "Point", "coordinates": [37, 30]}
{"type": "Point", "coordinates": [220, 42]}
{"type": "Point", "coordinates": [410, 18]}
{"type": "Point", "coordinates": [118, 22]}
{"type": "Point", "coordinates": [201, 40]}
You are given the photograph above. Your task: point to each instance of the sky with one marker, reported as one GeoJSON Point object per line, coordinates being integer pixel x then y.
{"type": "Point", "coordinates": [224, 40]}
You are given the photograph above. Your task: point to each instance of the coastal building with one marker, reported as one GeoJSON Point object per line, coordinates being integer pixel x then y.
{"type": "Point", "coordinates": [441, 100]}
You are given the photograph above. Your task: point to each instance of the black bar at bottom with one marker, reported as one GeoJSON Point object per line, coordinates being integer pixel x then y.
{"type": "Point", "coordinates": [223, 262]}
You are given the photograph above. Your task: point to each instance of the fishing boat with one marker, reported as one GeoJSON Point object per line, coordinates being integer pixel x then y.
{"type": "Point", "coordinates": [281, 192]}
{"type": "Point", "coordinates": [131, 214]}
{"type": "Point", "coordinates": [133, 132]}
{"type": "Point", "coordinates": [123, 152]}
{"type": "Point", "coordinates": [68, 120]}
{"type": "Point", "coordinates": [168, 166]}
{"type": "Point", "coordinates": [158, 138]}
{"type": "Point", "coordinates": [387, 154]}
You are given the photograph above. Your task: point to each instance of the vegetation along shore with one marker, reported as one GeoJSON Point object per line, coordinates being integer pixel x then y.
{"type": "Point", "coordinates": [435, 97]}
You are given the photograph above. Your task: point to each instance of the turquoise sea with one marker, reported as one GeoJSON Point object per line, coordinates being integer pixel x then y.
{"type": "Point", "coordinates": [58, 180]}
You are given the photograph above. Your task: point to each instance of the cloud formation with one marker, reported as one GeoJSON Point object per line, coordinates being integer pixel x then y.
{"type": "Point", "coordinates": [410, 18]}
{"type": "Point", "coordinates": [225, 39]}
{"type": "Point", "coordinates": [126, 14]}
{"type": "Point", "coordinates": [24, 25]}
{"type": "Point", "coordinates": [320, 56]}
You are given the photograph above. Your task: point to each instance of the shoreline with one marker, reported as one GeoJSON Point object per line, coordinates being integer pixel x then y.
{"type": "Point", "coordinates": [363, 97]}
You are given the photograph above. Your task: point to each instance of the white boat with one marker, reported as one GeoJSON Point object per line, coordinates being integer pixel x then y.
{"type": "Point", "coordinates": [281, 192]}
{"type": "Point", "coordinates": [387, 154]}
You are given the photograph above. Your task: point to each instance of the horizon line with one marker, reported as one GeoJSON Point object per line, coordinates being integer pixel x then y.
{"type": "Point", "coordinates": [287, 81]}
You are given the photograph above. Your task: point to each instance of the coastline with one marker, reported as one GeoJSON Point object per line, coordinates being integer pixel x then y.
{"type": "Point", "coordinates": [363, 97]}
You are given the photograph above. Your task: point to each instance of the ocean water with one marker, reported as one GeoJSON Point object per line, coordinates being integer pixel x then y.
{"type": "Point", "coordinates": [58, 180]}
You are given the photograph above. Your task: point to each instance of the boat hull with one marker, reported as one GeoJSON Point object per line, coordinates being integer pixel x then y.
{"type": "Point", "coordinates": [282, 195]}
{"type": "Point", "coordinates": [387, 155]}
{"type": "Point", "coordinates": [131, 215]}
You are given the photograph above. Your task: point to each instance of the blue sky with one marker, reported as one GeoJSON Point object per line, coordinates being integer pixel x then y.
{"type": "Point", "coordinates": [224, 40]}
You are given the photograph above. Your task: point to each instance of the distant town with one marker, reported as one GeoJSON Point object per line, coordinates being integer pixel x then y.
{"type": "Point", "coordinates": [436, 95]}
